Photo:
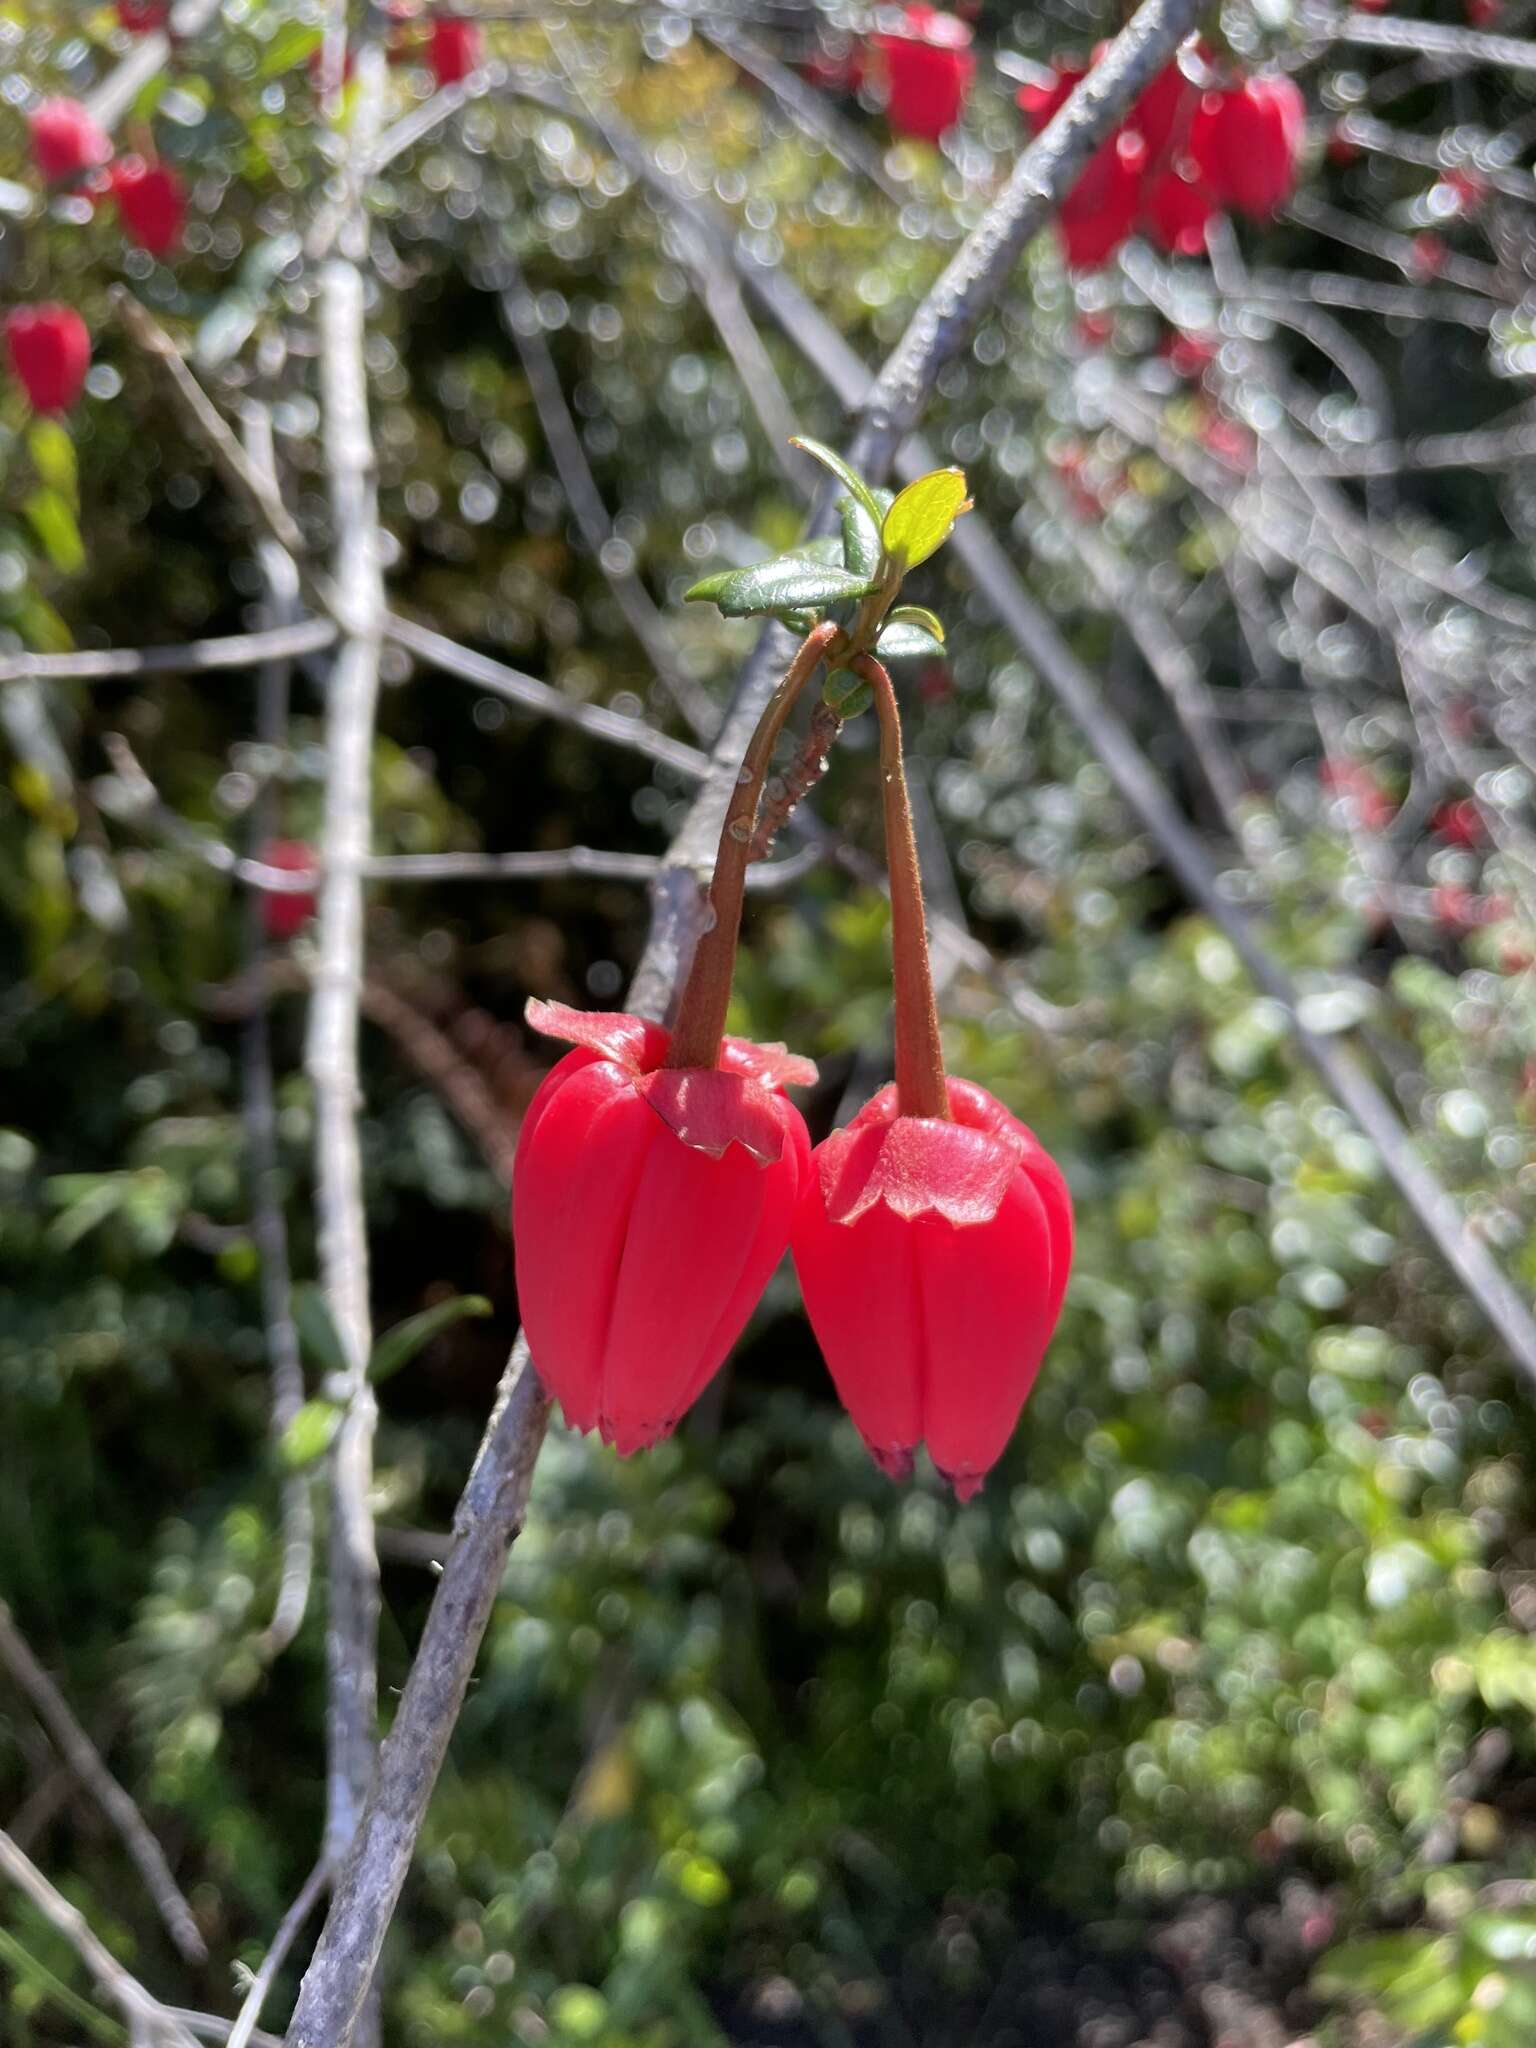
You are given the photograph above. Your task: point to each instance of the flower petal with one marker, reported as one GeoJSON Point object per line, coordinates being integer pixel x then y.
{"type": "Point", "coordinates": [917, 1166]}
{"type": "Point", "coordinates": [710, 1110]}
{"type": "Point", "coordinates": [634, 1042]}
{"type": "Point", "coordinates": [774, 1065]}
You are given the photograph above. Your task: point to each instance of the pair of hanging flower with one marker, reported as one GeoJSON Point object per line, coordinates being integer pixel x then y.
{"type": "Point", "coordinates": [661, 1175]}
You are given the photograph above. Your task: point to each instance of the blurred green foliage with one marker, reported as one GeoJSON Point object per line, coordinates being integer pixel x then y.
{"type": "Point", "coordinates": [761, 1747]}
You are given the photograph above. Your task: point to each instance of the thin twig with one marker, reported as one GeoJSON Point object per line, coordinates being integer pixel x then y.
{"type": "Point", "coordinates": [187, 657]}
{"type": "Point", "coordinates": [84, 1759]}
{"type": "Point", "coordinates": [122, 86]}
{"type": "Point", "coordinates": [150, 2024]}
{"type": "Point", "coordinates": [520, 318]}
{"type": "Point", "coordinates": [269, 1228]}
{"type": "Point", "coordinates": [288, 1929]}
{"type": "Point", "coordinates": [495, 676]}
{"type": "Point", "coordinates": [208, 424]}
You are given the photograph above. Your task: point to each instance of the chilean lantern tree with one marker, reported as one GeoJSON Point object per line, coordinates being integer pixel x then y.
{"type": "Point", "coordinates": [769, 1203]}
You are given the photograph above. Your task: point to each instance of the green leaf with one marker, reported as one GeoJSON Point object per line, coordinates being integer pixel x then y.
{"type": "Point", "coordinates": [53, 522]}
{"type": "Point", "coordinates": [788, 583]}
{"type": "Point", "coordinates": [846, 694]}
{"type": "Point", "coordinates": [823, 547]}
{"type": "Point", "coordinates": [917, 615]}
{"type": "Point", "coordinates": [1506, 1937]}
{"type": "Point", "coordinates": [1379, 1962]}
{"type": "Point", "coordinates": [293, 44]}
{"type": "Point", "coordinates": [797, 622]}
{"type": "Point", "coordinates": [53, 457]}
{"type": "Point", "coordinates": [899, 642]}
{"type": "Point", "coordinates": [861, 539]}
{"type": "Point", "coordinates": [400, 1345]}
{"type": "Point", "coordinates": [317, 1331]}
{"type": "Point", "coordinates": [309, 1435]}
{"type": "Point", "coordinates": [923, 516]}
{"type": "Point", "coordinates": [848, 478]}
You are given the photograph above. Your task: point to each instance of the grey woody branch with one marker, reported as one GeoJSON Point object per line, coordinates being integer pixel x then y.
{"type": "Point", "coordinates": [331, 1054]}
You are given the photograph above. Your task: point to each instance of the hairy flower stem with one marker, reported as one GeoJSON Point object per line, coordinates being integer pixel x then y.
{"type": "Point", "coordinates": [920, 1082]}
{"type": "Point", "coordinates": [782, 792]}
{"type": "Point", "coordinates": [707, 996]}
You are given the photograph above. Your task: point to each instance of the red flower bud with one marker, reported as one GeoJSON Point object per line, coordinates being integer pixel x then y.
{"type": "Point", "coordinates": [1163, 113]}
{"type": "Point", "coordinates": [928, 71]}
{"type": "Point", "coordinates": [285, 912]}
{"type": "Point", "coordinates": [66, 141]}
{"type": "Point", "coordinates": [453, 50]}
{"type": "Point", "coordinates": [1483, 13]}
{"type": "Point", "coordinates": [150, 202]}
{"type": "Point", "coordinates": [50, 352]}
{"type": "Point", "coordinates": [1188, 354]}
{"type": "Point", "coordinates": [1458, 824]}
{"type": "Point", "coordinates": [650, 1206]}
{"type": "Point", "coordinates": [142, 17]}
{"type": "Point", "coordinates": [1100, 211]}
{"type": "Point", "coordinates": [1428, 255]}
{"type": "Point", "coordinates": [1176, 210]}
{"type": "Point", "coordinates": [1247, 143]}
{"type": "Point", "coordinates": [933, 1257]}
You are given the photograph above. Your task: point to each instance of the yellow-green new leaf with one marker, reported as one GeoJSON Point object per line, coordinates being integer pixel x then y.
{"type": "Point", "coordinates": [923, 516]}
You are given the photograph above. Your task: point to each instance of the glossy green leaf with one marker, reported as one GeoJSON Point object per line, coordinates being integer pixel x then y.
{"type": "Point", "coordinates": [51, 519]}
{"type": "Point", "coordinates": [294, 44]}
{"type": "Point", "coordinates": [397, 1347]}
{"type": "Point", "coordinates": [317, 1331]}
{"type": "Point", "coordinates": [923, 516]}
{"type": "Point", "coordinates": [917, 615]}
{"type": "Point", "coordinates": [53, 458]}
{"type": "Point", "coordinates": [861, 549]}
{"type": "Point", "coordinates": [788, 583]}
{"type": "Point", "coordinates": [1379, 1961]}
{"type": "Point", "coordinates": [849, 478]}
{"type": "Point", "coordinates": [846, 694]}
{"type": "Point", "coordinates": [899, 642]}
{"type": "Point", "coordinates": [822, 547]}
{"type": "Point", "coordinates": [309, 1435]}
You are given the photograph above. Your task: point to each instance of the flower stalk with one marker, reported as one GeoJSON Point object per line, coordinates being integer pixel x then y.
{"type": "Point", "coordinates": [921, 1088]}
{"type": "Point", "coordinates": [707, 995]}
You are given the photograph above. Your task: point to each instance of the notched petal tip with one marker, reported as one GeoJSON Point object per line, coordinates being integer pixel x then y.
{"type": "Point", "coordinates": [630, 1041]}
{"type": "Point", "coordinates": [966, 1484]}
{"type": "Point", "coordinates": [774, 1065]}
{"type": "Point", "coordinates": [894, 1460]}
{"type": "Point", "coordinates": [918, 1166]}
{"type": "Point", "coordinates": [710, 1110]}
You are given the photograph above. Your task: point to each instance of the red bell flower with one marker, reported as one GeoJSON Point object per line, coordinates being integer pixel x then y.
{"type": "Point", "coordinates": [66, 141]}
{"type": "Point", "coordinates": [1483, 13]}
{"type": "Point", "coordinates": [1459, 823]}
{"type": "Point", "coordinates": [1247, 143]}
{"type": "Point", "coordinates": [50, 351]}
{"type": "Point", "coordinates": [1099, 213]}
{"type": "Point", "coordinates": [453, 49]}
{"type": "Point", "coordinates": [1176, 210]}
{"type": "Point", "coordinates": [928, 70]}
{"type": "Point", "coordinates": [1188, 355]}
{"type": "Point", "coordinates": [650, 1205]}
{"type": "Point", "coordinates": [142, 17]}
{"type": "Point", "coordinates": [285, 912]}
{"type": "Point", "coordinates": [151, 203]}
{"type": "Point", "coordinates": [933, 1257]}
